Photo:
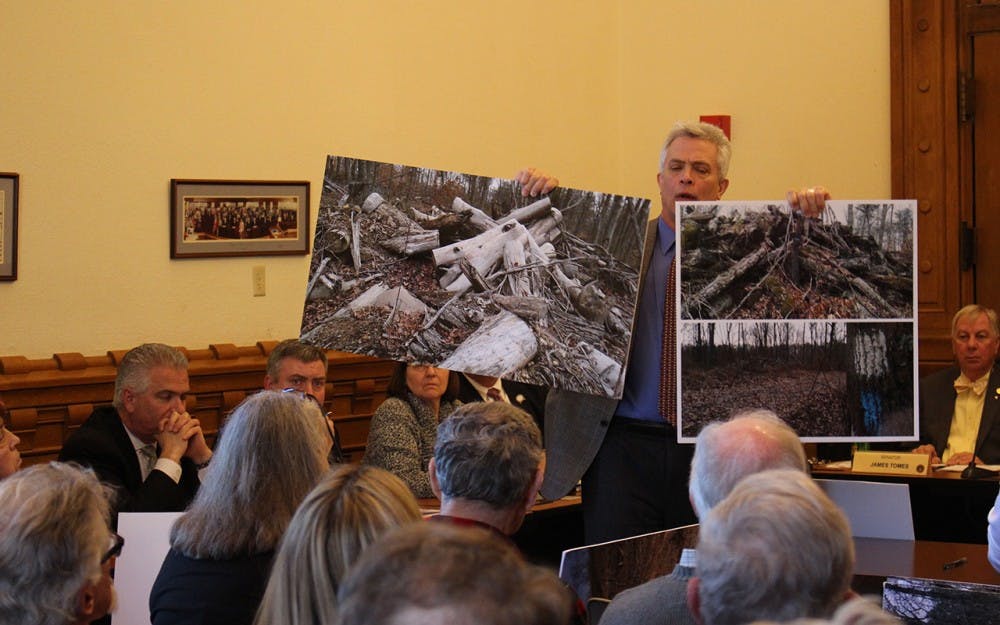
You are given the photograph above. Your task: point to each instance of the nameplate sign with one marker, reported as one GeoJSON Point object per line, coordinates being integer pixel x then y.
{"type": "Point", "coordinates": [891, 463]}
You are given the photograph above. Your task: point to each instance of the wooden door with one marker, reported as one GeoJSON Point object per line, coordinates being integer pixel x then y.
{"type": "Point", "coordinates": [980, 104]}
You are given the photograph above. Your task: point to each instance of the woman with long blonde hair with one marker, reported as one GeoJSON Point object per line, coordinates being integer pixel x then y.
{"type": "Point", "coordinates": [346, 512]}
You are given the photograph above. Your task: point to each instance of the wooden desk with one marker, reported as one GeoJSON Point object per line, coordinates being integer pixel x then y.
{"type": "Point", "coordinates": [946, 508]}
{"type": "Point", "coordinates": [878, 558]}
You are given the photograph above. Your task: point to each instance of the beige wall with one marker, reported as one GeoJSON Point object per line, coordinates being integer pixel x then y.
{"type": "Point", "coordinates": [103, 102]}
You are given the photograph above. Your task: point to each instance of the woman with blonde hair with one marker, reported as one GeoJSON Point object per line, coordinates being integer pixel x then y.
{"type": "Point", "coordinates": [346, 512]}
{"type": "Point", "coordinates": [272, 451]}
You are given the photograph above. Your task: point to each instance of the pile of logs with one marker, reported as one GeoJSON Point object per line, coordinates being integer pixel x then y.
{"type": "Point", "coordinates": [770, 265]}
{"type": "Point", "coordinates": [514, 296]}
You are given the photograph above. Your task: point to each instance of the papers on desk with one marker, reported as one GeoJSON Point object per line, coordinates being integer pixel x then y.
{"type": "Point", "coordinates": [840, 465]}
{"type": "Point", "coordinates": [958, 468]}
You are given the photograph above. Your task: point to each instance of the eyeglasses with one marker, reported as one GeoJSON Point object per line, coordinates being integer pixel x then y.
{"type": "Point", "coordinates": [117, 542]}
{"type": "Point", "coordinates": [336, 454]}
{"type": "Point", "coordinates": [4, 419]}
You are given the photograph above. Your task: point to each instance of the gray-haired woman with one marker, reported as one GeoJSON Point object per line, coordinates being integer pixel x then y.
{"type": "Point", "coordinates": [272, 451]}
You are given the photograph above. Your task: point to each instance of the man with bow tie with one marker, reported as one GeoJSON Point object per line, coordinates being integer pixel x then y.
{"type": "Point", "coordinates": [960, 406]}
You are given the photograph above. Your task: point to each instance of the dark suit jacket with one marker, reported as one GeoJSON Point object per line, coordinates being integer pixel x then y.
{"type": "Point", "coordinates": [102, 444]}
{"type": "Point", "coordinates": [937, 405]}
{"type": "Point", "coordinates": [527, 397]}
{"type": "Point", "coordinates": [575, 423]}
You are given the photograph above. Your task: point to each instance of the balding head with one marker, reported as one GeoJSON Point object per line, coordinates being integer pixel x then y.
{"type": "Point", "coordinates": [726, 452]}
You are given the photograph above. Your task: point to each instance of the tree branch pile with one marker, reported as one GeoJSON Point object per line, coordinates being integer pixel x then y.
{"type": "Point", "coordinates": [454, 285]}
{"type": "Point", "coordinates": [770, 265]}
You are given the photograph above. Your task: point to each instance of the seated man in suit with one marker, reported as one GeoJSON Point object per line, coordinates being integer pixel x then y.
{"type": "Point", "coordinates": [960, 405]}
{"type": "Point", "coordinates": [776, 548]}
{"type": "Point", "coordinates": [56, 550]}
{"type": "Point", "coordinates": [293, 364]}
{"type": "Point", "coordinates": [527, 397]}
{"type": "Point", "coordinates": [487, 467]}
{"type": "Point", "coordinates": [725, 453]}
{"type": "Point", "coordinates": [146, 445]}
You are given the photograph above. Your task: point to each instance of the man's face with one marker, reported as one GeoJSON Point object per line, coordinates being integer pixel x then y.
{"type": "Point", "coordinates": [975, 345]}
{"type": "Point", "coordinates": [167, 391]}
{"type": "Point", "coordinates": [690, 173]}
{"type": "Point", "coordinates": [308, 377]}
{"type": "Point", "coordinates": [10, 457]}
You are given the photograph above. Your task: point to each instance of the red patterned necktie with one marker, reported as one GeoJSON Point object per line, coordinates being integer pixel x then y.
{"type": "Point", "coordinates": [493, 394]}
{"type": "Point", "coordinates": [668, 366]}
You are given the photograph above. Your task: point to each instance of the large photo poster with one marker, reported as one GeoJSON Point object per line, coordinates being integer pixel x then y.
{"type": "Point", "coordinates": [461, 271]}
{"type": "Point", "coordinates": [814, 319]}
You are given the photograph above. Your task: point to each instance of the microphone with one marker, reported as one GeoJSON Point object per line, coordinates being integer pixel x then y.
{"type": "Point", "coordinates": [972, 472]}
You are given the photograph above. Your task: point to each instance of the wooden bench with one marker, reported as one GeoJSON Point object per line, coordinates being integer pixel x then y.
{"type": "Point", "coordinates": [49, 398]}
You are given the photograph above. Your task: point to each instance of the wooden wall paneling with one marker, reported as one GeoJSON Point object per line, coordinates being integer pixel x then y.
{"type": "Point", "coordinates": [925, 160]}
{"type": "Point", "coordinates": [49, 398]}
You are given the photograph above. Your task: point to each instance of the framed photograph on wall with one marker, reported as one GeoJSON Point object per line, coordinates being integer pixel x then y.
{"type": "Point", "coordinates": [238, 218]}
{"type": "Point", "coordinates": [8, 226]}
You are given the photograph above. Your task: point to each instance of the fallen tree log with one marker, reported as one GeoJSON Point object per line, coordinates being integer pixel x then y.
{"type": "Point", "coordinates": [727, 277]}
{"type": "Point", "coordinates": [524, 307]}
{"type": "Point", "coordinates": [482, 252]}
{"type": "Point", "coordinates": [413, 243]}
{"type": "Point", "coordinates": [514, 259]}
{"type": "Point", "coordinates": [504, 343]}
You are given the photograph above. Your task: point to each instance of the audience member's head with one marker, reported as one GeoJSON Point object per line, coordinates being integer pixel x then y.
{"type": "Point", "coordinates": [152, 383]}
{"type": "Point", "coordinates": [346, 512]}
{"type": "Point", "coordinates": [856, 611]}
{"type": "Point", "coordinates": [775, 548]}
{"type": "Point", "coordinates": [410, 378]}
{"type": "Point", "coordinates": [55, 547]}
{"type": "Point", "coordinates": [727, 451]}
{"type": "Point", "coordinates": [298, 365]}
{"type": "Point", "coordinates": [271, 452]}
{"type": "Point", "coordinates": [488, 459]}
{"type": "Point", "coordinates": [10, 457]}
{"type": "Point", "coordinates": [435, 574]}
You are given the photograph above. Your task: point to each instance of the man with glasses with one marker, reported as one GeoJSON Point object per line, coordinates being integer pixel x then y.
{"type": "Point", "coordinates": [297, 366]}
{"type": "Point", "coordinates": [146, 445]}
{"type": "Point", "coordinates": [56, 551]}
{"type": "Point", "coordinates": [10, 457]}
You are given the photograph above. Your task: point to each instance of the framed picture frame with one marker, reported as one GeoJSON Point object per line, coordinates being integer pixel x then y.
{"type": "Point", "coordinates": [238, 218]}
{"type": "Point", "coordinates": [8, 226]}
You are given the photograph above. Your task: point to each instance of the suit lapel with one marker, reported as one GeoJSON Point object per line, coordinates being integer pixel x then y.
{"type": "Point", "coordinates": [991, 408]}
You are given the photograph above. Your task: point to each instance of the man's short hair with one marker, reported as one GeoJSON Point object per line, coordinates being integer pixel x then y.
{"type": "Point", "coordinates": [974, 310]}
{"type": "Point", "coordinates": [776, 548]}
{"type": "Point", "coordinates": [701, 130]}
{"type": "Point", "coordinates": [293, 348]}
{"type": "Point", "coordinates": [727, 451]}
{"type": "Point", "coordinates": [438, 574]}
{"type": "Point", "coordinates": [53, 532]}
{"type": "Point", "coordinates": [487, 452]}
{"type": "Point", "coordinates": [133, 370]}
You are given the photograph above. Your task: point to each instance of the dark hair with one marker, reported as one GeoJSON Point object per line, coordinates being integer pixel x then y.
{"type": "Point", "coordinates": [397, 384]}
{"type": "Point", "coordinates": [294, 348]}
